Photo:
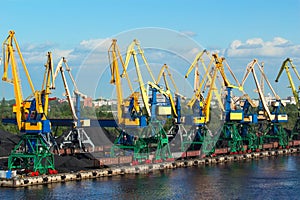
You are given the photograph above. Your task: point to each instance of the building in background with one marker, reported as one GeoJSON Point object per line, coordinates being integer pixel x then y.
{"type": "Point", "coordinates": [88, 102]}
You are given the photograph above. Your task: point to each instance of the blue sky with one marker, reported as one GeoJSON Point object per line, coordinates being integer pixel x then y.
{"type": "Point", "coordinates": [240, 30]}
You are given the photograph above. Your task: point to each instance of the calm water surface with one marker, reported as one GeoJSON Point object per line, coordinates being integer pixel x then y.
{"type": "Point", "coordinates": [268, 178]}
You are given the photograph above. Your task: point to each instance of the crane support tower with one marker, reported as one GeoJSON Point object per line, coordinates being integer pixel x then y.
{"type": "Point", "coordinates": [32, 153]}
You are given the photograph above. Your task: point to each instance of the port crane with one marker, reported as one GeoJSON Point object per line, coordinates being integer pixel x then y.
{"type": "Point", "coordinates": [287, 63]}
{"type": "Point", "coordinates": [129, 113]}
{"type": "Point", "coordinates": [177, 130]}
{"type": "Point", "coordinates": [33, 150]}
{"type": "Point", "coordinates": [153, 137]}
{"type": "Point", "coordinates": [233, 117]}
{"type": "Point", "coordinates": [229, 133]}
{"type": "Point", "coordinates": [154, 134]}
{"type": "Point", "coordinates": [199, 86]}
{"type": "Point", "coordinates": [272, 118]}
{"type": "Point", "coordinates": [199, 134]}
{"type": "Point", "coordinates": [131, 51]}
{"type": "Point", "coordinates": [77, 137]}
{"type": "Point", "coordinates": [239, 119]}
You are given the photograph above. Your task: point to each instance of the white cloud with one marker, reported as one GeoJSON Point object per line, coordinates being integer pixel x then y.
{"type": "Point", "coordinates": [58, 53]}
{"type": "Point", "coordinates": [235, 44]}
{"type": "Point", "coordinates": [87, 49]}
{"type": "Point", "coordinates": [278, 41]}
{"type": "Point", "coordinates": [37, 47]}
{"type": "Point", "coordinates": [257, 47]}
{"type": "Point", "coordinates": [94, 44]}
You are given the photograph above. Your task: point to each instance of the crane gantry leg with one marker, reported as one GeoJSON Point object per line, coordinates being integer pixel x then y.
{"type": "Point", "coordinates": [32, 154]}
{"type": "Point", "coordinates": [275, 131]}
{"type": "Point", "coordinates": [231, 134]}
{"type": "Point", "coordinates": [249, 137]}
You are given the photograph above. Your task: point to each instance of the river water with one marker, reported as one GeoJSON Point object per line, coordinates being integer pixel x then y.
{"type": "Point", "coordinates": [267, 178]}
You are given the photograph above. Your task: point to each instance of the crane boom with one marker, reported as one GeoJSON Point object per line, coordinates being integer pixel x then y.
{"type": "Point", "coordinates": [9, 58]}
{"type": "Point", "coordinates": [162, 72]}
{"type": "Point", "coordinates": [114, 54]}
{"type": "Point", "coordinates": [46, 86]}
{"type": "Point", "coordinates": [285, 67]}
{"type": "Point", "coordinates": [132, 52]}
{"type": "Point", "coordinates": [76, 91]}
{"type": "Point", "coordinates": [170, 97]}
{"type": "Point", "coordinates": [60, 69]}
{"type": "Point", "coordinates": [195, 65]}
{"type": "Point", "coordinates": [142, 85]}
{"type": "Point", "coordinates": [250, 69]}
{"type": "Point", "coordinates": [207, 102]}
{"type": "Point", "coordinates": [141, 52]}
{"type": "Point", "coordinates": [115, 77]}
{"type": "Point", "coordinates": [131, 49]}
{"type": "Point", "coordinates": [267, 80]}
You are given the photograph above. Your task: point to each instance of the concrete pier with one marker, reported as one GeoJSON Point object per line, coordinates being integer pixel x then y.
{"type": "Point", "coordinates": [19, 181]}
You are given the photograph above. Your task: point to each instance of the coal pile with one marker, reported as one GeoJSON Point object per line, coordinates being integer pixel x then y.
{"type": "Point", "coordinates": [77, 162]}
{"type": "Point", "coordinates": [7, 142]}
{"type": "Point", "coordinates": [65, 163]}
{"type": "Point", "coordinates": [98, 135]}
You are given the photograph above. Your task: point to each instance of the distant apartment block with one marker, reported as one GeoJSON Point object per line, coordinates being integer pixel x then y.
{"type": "Point", "coordinates": [104, 102]}
{"type": "Point", "coordinates": [88, 102]}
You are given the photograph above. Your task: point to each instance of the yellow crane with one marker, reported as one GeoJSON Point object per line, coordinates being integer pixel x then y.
{"type": "Point", "coordinates": [195, 65]}
{"type": "Point", "coordinates": [31, 113]}
{"type": "Point", "coordinates": [9, 58]}
{"type": "Point", "coordinates": [41, 97]}
{"type": "Point", "coordinates": [164, 71]}
{"type": "Point", "coordinates": [199, 132]}
{"type": "Point", "coordinates": [123, 106]}
{"type": "Point", "coordinates": [154, 129]}
{"type": "Point", "coordinates": [177, 127]}
{"type": "Point", "coordinates": [285, 66]}
{"type": "Point", "coordinates": [131, 51]}
{"type": "Point", "coordinates": [198, 86]}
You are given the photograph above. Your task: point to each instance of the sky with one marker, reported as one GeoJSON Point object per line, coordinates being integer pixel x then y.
{"type": "Point", "coordinates": [170, 31]}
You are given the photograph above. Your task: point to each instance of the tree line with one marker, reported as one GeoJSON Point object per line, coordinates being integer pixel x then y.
{"type": "Point", "coordinates": [61, 110]}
